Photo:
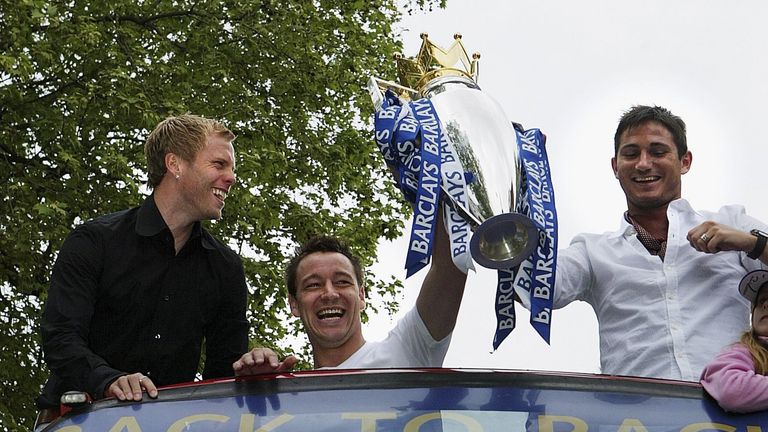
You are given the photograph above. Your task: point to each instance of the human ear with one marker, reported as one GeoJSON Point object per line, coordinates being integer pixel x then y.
{"type": "Point", "coordinates": [361, 296]}
{"type": "Point", "coordinates": [172, 164]}
{"type": "Point", "coordinates": [685, 162]}
{"type": "Point", "coordinates": [294, 306]}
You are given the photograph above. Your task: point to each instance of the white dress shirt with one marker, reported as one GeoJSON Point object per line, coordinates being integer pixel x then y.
{"type": "Point", "coordinates": [659, 319]}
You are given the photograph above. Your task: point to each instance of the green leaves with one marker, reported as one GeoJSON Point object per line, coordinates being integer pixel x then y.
{"type": "Point", "coordinates": [81, 85]}
{"type": "Point", "coordinates": [50, 209]}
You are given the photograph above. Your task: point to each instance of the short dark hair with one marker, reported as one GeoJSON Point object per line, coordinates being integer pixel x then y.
{"type": "Point", "coordinates": [320, 244]}
{"type": "Point", "coordinates": [640, 114]}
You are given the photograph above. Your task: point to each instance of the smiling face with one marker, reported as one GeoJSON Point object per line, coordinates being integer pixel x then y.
{"type": "Point", "coordinates": [329, 300]}
{"type": "Point", "coordinates": [648, 167]}
{"type": "Point", "coordinates": [760, 312]}
{"type": "Point", "coordinates": [205, 181]}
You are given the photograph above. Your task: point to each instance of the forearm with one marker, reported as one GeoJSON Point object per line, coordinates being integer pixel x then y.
{"type": "Point", "coordinates": [227, 338]}
{"type": "Point", "coordinates": [443, 287]}
{"type": "Point", "coordinates": [71, 360]}
{"type": "Point", "coordinates": [764, 256]}
{"type": "Point", "coordinates": [66, 321]}
{"type": "Point", "coordinates": [738, 390]}
{"type": "Point", "coordinates": [747, 242]}
{"type": "Point", "coordinates": [224, 346]}
{"type": "Point", "coordinates": [730, 379]}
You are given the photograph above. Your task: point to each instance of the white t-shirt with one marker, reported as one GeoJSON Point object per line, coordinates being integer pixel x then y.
{"type": "Point", "coordinates": [409, 344]}
{"type": "Point", "coordinates": [659, 319]}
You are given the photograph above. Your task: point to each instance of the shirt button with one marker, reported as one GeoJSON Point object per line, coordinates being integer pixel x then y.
{"type": "Point", "coordinates": [157, 336]}
{"type": "Point", "coordinates": [166, 297]}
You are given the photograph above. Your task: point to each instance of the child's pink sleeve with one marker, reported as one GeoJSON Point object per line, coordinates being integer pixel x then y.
{"type": "Point", "coordinates": [730, 378]}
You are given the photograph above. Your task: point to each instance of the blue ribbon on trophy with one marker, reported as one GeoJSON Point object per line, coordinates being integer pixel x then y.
{"type": "Point", "coordinates": [398, 127]}
{"type": "Point", "coordinates": [470, 158]}
{"type": "Point", "coordinates": [533, 280]}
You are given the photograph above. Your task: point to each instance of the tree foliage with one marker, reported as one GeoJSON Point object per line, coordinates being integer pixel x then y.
{"type": "Point", "coordinates": [83, 82]}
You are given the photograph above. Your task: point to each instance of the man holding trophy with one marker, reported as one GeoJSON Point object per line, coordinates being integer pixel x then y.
{"type": "Point", "coordinates": [451, 197]}
{"type": "Point", "coordinates": [450, 142]}
{"type": "Point", "coordinates": [326, 289]}
{"type": "Point", "coordinates": [454, 155]}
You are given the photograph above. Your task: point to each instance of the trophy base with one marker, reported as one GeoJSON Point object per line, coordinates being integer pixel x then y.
{"type": "Point", "coordinates": [503, 241]}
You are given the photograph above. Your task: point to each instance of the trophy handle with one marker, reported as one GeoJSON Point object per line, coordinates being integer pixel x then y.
{"type": "Point", "coordinates": [377, 87]}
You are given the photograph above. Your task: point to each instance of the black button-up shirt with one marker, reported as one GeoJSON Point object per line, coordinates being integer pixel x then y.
{"type": "Point", "coordinates": [122, 301]}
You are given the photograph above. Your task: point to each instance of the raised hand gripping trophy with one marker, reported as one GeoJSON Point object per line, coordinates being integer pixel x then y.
{"type": "Point", "coordinates": [451, 143]}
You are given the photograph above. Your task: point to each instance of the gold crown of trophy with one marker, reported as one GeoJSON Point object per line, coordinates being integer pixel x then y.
{"type": "Point", "coordinates": [484, 141]}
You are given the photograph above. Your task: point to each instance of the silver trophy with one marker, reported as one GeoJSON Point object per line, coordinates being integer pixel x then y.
{"type": "Point", "coordinates": [484, 141]}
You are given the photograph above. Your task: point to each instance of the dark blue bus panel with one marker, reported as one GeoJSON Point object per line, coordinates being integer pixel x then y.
{"type": "Point", "coordinates": [420, 401]}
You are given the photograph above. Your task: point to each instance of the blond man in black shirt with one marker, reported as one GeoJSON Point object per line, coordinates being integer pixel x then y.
{"type": "Point", "coordinates": [134, 294]}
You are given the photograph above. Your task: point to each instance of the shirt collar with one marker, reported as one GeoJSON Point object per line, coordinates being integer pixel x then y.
{"type": "Point", "coordinates": [626, 229]}
{"type": "Point", "coordinates": [679, 205]}
{"type": "Point", "coordinates": [149, 223]}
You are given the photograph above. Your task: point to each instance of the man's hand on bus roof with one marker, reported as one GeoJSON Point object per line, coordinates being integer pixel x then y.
{"type": "Point", "coordinates": [262, 360]}
{"type": "Point", "coordinates": [130, 387]}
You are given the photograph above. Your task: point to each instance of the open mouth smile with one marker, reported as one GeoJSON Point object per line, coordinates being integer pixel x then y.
{"type": "Point", "coordinates": [221, 194]}
{"type": "Point", "coordinates": [330, 313]}
{"type": "Point", "coordinates": [646, 179]}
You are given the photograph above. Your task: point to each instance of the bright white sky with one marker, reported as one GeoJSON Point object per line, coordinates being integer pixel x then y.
{"type": "Point", "coordinates": [571, 68]}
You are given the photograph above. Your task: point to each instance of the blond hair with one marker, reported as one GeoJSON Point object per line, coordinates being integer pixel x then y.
{"type": "Point", "coordinates": [183, 136]}
{"type": "Point", "coordinates": [757, 349]}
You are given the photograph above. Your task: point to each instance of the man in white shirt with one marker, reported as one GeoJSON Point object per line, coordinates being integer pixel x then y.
{"type": "Point", "coordinates": [664, 286]}
{"type": "Point", "coordinates": [326, 290]}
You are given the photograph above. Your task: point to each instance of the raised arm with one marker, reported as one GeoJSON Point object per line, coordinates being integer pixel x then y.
{"type": "Point", "coordinates": [440, 296]}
